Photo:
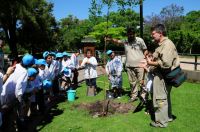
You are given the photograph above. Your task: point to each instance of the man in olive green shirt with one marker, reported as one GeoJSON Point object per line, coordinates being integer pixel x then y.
{"type": "Point", "coordinates": [165, 58]}
{"type": "Point", "coordinates": [135, 51]}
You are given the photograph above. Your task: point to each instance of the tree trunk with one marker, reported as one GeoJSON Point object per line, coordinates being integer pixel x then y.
{"type": "Point", "coordinates": [12, 40]}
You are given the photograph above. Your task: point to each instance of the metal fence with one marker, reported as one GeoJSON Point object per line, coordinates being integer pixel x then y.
{"type": "Point", "coordinates": [195, 62]}
{"type": "Point", "coordinates": [195, 56]}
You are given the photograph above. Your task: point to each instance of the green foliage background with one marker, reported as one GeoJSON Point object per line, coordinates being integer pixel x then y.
{"type": "Point", "coordinates": [29, 26]}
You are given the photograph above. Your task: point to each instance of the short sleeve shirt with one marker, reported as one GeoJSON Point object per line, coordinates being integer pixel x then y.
{"type": "Point", "coordinates": [167, 55]}
{"type": "Point", "coordinates": [134, 52]}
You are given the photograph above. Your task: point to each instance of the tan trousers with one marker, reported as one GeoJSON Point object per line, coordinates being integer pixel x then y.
{"type": "Point", "coordinates": [161, 100]}
{"type": "Point", "coordinates": [135, 76]}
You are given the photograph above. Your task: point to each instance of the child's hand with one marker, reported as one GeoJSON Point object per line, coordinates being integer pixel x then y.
{"type": "Point", "coordinates": [149, 59]}
{"type": "Point", "coordinates": [10, 70]}
{"type": "Point", "coordinates": [87, 62]}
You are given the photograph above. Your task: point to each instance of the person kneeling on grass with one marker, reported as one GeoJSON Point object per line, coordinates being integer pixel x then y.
{"type": "Point", "coordinates": [114, 71]}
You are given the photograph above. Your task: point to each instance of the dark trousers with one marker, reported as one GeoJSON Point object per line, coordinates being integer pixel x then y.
{"type": "Point", "coordinates": [91, 82]}
{"type": "Point", "coordinates": [40, 100]}
{"type": "Point", "coordinates": [75, 78]}
{"type": "Point", "coordinates": [55, 87]}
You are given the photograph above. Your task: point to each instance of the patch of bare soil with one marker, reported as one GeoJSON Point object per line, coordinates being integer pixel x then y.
{"type": "Point", "coordinates": [105, 108]}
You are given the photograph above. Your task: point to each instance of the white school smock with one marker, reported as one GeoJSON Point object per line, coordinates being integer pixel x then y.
{"type": "Point", "coordinates": [114, 66]}
{"type": "Point", "coordinates": [58, 67]}
{"type": "Point", "coordinates": [52, 69]}
{"type": "Point", "coordinates": [44, 74]}
{"type": "Point", "coordinates": [74, 60]}
{"type": "Point", "coordinates": [68, 64]}
{"type": "Point", "coordinates": [16, 84]}
{"type": "Point", "coordinates": [90, 69]}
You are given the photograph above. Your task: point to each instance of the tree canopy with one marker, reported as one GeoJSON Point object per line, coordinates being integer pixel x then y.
{"type": "Point", "coordinates": [30, 25]}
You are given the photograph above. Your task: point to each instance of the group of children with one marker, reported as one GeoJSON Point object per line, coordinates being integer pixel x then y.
{"type": "Point", "coordinates": [30, 83]}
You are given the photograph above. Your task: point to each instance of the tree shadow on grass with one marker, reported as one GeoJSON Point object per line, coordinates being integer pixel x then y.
{"type": "Point", "coordinates": [48, 117]}
{"type": "Point", "coordinates": [126, 92]}
{"type": "Point", "coordinates": [38, 122]}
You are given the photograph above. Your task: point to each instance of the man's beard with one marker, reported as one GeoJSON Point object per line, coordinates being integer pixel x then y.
{"type": "Point", "coordinates": [131, 39]}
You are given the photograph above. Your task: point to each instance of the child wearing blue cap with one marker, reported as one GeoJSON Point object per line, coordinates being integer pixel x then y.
{"type": "Point", "coordinates": [51, 64]}
{"type": "Point", "coordinates": [15, 88]}
{"type": "Point", "coordinates": [67, 67]}
{"type": "Point", "coordinates": [53, 68]}
{"type": "Point", "coordinates": [28, 96]}
{"type": "Point", "coordinates": [16, 84]}
{"type": "Point", "coordinates": [59, 57]}
{"type": "Point", "coordinates": [90, 73]}
{"type": "Point", "coordinates": [114, 71]}
{"type": "Point", "coordinates": [44, 74]}
{"type": "Point", "coordinates": [58, 68]}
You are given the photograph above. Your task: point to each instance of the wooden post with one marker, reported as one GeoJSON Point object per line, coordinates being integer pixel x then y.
{"type": "Point", "coordinates": [195, 63]}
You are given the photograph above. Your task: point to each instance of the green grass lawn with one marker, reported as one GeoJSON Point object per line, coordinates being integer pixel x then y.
{"type": "Point", "coordinates": [185, 106]}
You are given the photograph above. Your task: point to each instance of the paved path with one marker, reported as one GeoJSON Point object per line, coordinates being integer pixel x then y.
{"type": "Point", "coordinates": [183, 65]}
{"type": "Point", "coordinates": [101, 70]}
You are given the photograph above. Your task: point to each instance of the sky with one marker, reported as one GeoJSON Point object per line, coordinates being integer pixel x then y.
{"type": "Point", "coordinates": [79, 8]}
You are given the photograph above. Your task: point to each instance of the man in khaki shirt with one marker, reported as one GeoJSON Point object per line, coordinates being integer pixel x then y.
{"type": "Point", "coordinates": [135, 51]}
{"type": "Point", "coordinates": [165, 58]}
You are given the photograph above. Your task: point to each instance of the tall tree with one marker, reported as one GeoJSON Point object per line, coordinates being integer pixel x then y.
{"type": "Point", "coordinates": [128, 18]}
{"type": "Point", "coordinates": [29, 23]}
{"type": "Point", "coordinates": [39, 28]}
{"type": "Point", "coordinates": [72, 30]}
{"type": "Point", "coordinates": [10, 14]}
{"type": "Point", "coordinates": [95, 11]}
{"type": "Point", "coordinates": [172, 16]}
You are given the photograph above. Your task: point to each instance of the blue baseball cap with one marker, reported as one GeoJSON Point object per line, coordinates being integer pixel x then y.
{"type": "Point", "coordinates": [45, 54]}
{"type": "Point", "coordinates": [28, 59]}
{"type": "Point", "coordinates": [47, 84]}
{"type": "Point", "coordinates": [65, 54]}
{"type": "Point", "coordinates": [59, 55]}
{"type": "Point", "coordinates": [41, 62]}
{"type": "Point", "coordinates": [32, 72]}
{"type": "Point", "coordinates": [52, 53]}
{"type": "Point", "coordinates": [109, 52]}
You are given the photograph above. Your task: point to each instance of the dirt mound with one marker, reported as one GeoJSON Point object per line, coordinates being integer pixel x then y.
{"type": "Point", "coordinates": [105, 108]}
